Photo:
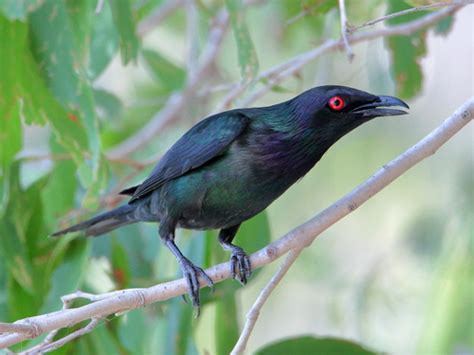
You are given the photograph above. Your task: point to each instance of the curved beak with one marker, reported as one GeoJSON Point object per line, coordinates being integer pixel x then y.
{"type": "Point", "coordinates": [378, 108]}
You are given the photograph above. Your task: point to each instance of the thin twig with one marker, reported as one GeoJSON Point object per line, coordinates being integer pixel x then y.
{"type": "Point", "coordinates": [100, 5]}
{"type": "Point", "coordinates": [410, 10]}
{"type": "Point", "coordinates": [253, 314]}
{"type": "Point", "coordinates": [177, 101]}
{"type": "Point", "coordinates": [46, 348]}
{"type": "Point", "coordinates": [162, 12]}
{"type": "Point", "coordinates": [301, 236]}
{"type": "Point", "coordinates": [344, 32]}
{"type": "Point", "coordinates": [193, 36]}
{"type": "Point", "coordinates": [298, 62]}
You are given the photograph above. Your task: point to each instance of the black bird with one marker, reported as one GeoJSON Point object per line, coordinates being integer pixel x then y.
{"type": "Point", "coordinates": [232, 165]}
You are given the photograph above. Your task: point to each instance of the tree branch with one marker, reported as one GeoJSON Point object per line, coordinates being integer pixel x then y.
{"type": "Point", "coordinates": [254, 312]}
{"type": "Point", "coordinates": [158, 16]}
{"type": "Point", "coordinates": [302, 236]}
{"type": "Point", "coordinates": [344, 31]}
{"type": "Point", "coordinates": [177, 101]}
{"type": "Point", "coordinates": [282, 71]}
{"type": "Point", "coordinates": [410, 10]}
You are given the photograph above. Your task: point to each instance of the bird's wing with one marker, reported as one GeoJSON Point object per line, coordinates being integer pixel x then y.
{"type": "Point", "coordinates": [206, 140]}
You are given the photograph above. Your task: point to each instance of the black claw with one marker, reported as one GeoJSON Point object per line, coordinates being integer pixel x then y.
{"type": "Point", "coordinates": [191, 273]}
{"type": "Point", "coordinates": [240, 261]}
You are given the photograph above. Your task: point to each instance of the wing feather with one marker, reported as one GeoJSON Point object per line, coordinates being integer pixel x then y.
{"type": "Point", "coordinates": [206, 140]}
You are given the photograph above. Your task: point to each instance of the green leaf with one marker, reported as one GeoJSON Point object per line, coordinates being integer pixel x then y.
{"type": "Point", "coordinates": [125, 24]}
{"type": "Point", "coordinates": [120, 265]}
{"type": "Point", "coordinates": [131, 331]}
{"type": "Point", "coordinates": [62, 185]}
{"type": "Point", "coordinates": [108, 103]}
{"type": "Point", "coordinates": [312, 345]}
{"type": "Point", "coordinates": [23, 94]}
{"type": "Point", "coordinates": [104, 43]}
{"type": "Point", "coordinates": [62, 61]}
{"type": "Point", "coordinates": [168, 75]}
{"type": "Point", "coordinates": [226, 328]}
{"type": "Point", "coordinates": [406, 52]}
{"type": "Point", "coordinates": [103, 342]}
{"type": "Point", "coordinates": [68, 275]}
{"type": "Point", "coordinates": [248, 60]}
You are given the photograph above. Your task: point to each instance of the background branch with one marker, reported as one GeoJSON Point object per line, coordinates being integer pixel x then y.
{"type": "Point", "coordinates": [344, 31]}
{"type": "Point", "coordinates": [273, 76]}
{"type": "Point", "coordinates": [302, 236]}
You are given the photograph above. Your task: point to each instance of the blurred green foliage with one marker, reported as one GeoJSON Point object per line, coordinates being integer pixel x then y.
{"type": "Point", "coordinates": [56, 56]}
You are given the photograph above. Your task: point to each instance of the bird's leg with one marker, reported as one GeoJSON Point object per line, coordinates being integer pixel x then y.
{"type": "Point", "coordinates": [190, 271]}
{"type": "Point", "coordinates": [239, 261]}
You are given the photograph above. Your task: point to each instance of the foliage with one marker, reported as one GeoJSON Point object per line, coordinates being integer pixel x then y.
{"type": "Point", "coordinates": [54, 55]}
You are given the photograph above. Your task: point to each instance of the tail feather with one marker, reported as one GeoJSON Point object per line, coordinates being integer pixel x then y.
{"type": "Point", "coordinates": [103, 223]}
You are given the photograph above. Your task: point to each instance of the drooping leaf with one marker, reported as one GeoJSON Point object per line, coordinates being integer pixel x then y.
{"type": "Point", "coordinates": [120, 265]}
{"type": "Point", "coordinates": [168, 75]}
{"type": "Point", "coordinates": [125, 24]}
{"type": "Point", "coordinates": [248, 60]}
{"type": "Point", "coordinates": [23, 94]}
{"type": "Point", "coordinates": [406, 52]}
{"type": "Point", "coordinates": [308, 345]}
{"type": "Point", "coordinates": [104, 42]}
{"type": "Point", "coordinates": [62, 62]}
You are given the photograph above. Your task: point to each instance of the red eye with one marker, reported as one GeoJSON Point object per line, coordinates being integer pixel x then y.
{"type": "Point", "coordinates": [336, 103]}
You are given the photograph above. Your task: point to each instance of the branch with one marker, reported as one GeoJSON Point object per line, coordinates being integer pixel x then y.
{"type": "Point", "coordinates": [302, 236]}
{"type": "Point", "coordinates": [254, 312]}
{"type": "Point", "coordinates": [410, 10]}
{"type": "Point", "coordinates": [177, 102]}
{"type": "Point", "coordinates": [158, 16]}
{"type": "Point", "coordinates": [278, 73]}
{"type": "Point", "coordinates": [414, 155]}
{"type": "Point", "coordinates": [344, 31]}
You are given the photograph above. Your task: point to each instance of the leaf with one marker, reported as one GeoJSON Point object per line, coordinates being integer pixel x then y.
{"type": "Point", "coordinates": [124, 22]}
{"type": "Point", "coordinates": [248, 60]}
{"type": "Point", "coordinates": [167, 74]}
{"type": "Point", "coordinates": [406, 52]}
{"type": "Point", "coordinates": [62, 62]}
{"type": "Point", "coordinates": [109, 104]}
{"type": "Point", "coordinates": [104, 43]}
{"type": "Point", "coordinates": [312, 345]}
{"type": "Point", "coordinates": [69, 274]}
{"type": "Point", "coordinates": [226, 328]}
{"type": "Point", "coordinates": [120, 265]}
{"type": "Point", "coordinates": [24, 94]}
{"type": "Point", "coordinates": [132, 331]}
{"type": "Point", "coordinates": [58, 195]}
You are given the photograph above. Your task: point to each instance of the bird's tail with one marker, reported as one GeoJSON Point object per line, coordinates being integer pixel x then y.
{"type": "Point", "coordinates": [104, 222]}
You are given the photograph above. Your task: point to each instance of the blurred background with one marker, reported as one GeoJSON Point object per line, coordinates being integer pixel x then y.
{"type": "Point", "coordinates": [77, 81]}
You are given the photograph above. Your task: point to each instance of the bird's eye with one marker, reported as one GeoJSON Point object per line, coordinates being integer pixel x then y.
{"type": "Point", "coordinates": [336, 103]}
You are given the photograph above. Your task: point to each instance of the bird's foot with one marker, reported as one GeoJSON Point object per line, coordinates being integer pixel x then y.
{"type": "Point", "coordinates": [240, 267]}
{"type": "Point", "coordinates": [192, 273]}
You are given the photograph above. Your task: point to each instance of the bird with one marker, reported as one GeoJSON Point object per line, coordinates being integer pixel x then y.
{"type": "Point", "coordinates": [230, 166]}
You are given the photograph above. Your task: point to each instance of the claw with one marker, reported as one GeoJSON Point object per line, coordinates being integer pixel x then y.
{"type": "Point", "coordinates": [240, 261]}
{"type": "Point", "coordinates": [191, 273]}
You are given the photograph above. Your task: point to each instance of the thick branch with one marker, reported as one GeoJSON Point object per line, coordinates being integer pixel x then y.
{"type": "Point", "coordinates": [301, 236]}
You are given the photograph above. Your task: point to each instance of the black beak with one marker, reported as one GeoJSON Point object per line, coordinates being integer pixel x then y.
{"type": "Point", "coordinates": [377, 107]}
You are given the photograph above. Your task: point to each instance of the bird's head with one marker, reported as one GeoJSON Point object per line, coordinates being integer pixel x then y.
{"type": "Point", "coordinates": [336, 110]}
